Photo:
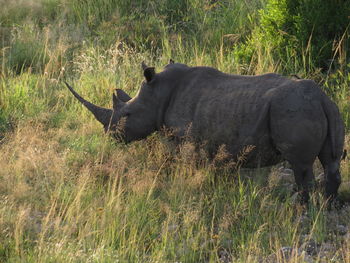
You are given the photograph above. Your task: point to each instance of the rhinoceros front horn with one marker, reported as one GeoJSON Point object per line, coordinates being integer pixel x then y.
{"type": "Point", "coordinates": [103, 115]}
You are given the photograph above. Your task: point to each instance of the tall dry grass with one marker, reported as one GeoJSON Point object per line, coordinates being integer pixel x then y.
{"type": "Point", "coordinates": [69, 193]}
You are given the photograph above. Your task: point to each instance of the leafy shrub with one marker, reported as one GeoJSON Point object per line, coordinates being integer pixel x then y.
{"type": "Point", "coordinates": [302, 28]}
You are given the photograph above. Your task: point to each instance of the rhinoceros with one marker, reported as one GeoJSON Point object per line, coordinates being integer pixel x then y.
{"type": "Point", "coordinates": [282, 118]}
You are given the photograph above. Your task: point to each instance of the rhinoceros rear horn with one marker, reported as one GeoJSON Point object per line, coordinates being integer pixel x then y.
{"type": "Point", "coordinates": [103, 115]}
{"type": "Point", "coordinates": [122, 95]}
{"type": "Point", "coordinates": [117, 102]}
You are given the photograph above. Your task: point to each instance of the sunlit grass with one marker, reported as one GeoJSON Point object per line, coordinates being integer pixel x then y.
{"type": "Point", "coordinates": [138, 203]}
{"type": "Point", "coordinates": [69, 193]}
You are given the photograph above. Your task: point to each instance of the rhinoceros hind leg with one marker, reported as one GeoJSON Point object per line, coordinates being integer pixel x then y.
{"type": "Point", "coordinates": [304, 179]}
{"type": "Point", "coordinates": [332, 182]}
{"type": "Point", "coordinates": [331, 171]}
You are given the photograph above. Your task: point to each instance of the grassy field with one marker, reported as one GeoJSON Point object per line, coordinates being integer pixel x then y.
{"type": "Point", "coordinates": [69, 193]}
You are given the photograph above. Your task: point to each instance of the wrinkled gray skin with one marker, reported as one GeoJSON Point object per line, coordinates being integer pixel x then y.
{"type": "Point", "coordinates": [284, 119]}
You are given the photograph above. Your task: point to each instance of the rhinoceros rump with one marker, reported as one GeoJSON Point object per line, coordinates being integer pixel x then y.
{"type": "Point", "coordinates": [283, 119]}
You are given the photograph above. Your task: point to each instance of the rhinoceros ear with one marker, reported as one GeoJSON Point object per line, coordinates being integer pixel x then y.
{"type": "Point", "coordinates": [123, 96]}
{"type": "Point", "coordinates": [117, 103]}
{"type": "Point", "coordinates": [143, 65]}
{"type": "Point", "coordinates": [149, 73]}
{"type": "Point", "coordinates": [171, 61]}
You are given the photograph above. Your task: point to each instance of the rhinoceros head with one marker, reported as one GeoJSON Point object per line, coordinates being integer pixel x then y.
{"type": "Point", "coordinates": [131, 118]}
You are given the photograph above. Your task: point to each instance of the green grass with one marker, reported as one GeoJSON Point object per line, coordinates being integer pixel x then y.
{"type": "Point", "coordinates": [69, 193]}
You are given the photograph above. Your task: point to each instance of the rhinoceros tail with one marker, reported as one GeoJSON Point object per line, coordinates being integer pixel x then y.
{"type": "Point", "coordinates": [335, 131]}
{"type": "Point", "coordinates": [101, 114]}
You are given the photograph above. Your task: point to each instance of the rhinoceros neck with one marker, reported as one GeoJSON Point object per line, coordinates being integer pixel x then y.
{"type": "Point", "coordinates": [171, 81]}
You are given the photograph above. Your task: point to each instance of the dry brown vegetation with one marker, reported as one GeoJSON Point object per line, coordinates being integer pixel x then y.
{"type": "Point", "coordinates": [69, 193]}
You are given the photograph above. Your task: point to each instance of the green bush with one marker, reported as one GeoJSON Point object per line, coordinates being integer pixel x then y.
{"type": "Point", "coordinates": [302, 28]}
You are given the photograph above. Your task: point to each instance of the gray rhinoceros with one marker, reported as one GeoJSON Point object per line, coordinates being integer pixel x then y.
{"type": "Point", "coordinates": [283, 119]}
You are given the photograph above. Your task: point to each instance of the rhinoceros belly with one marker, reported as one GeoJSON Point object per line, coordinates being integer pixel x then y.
{"type": "Point", "coordinates": [247, 143]}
